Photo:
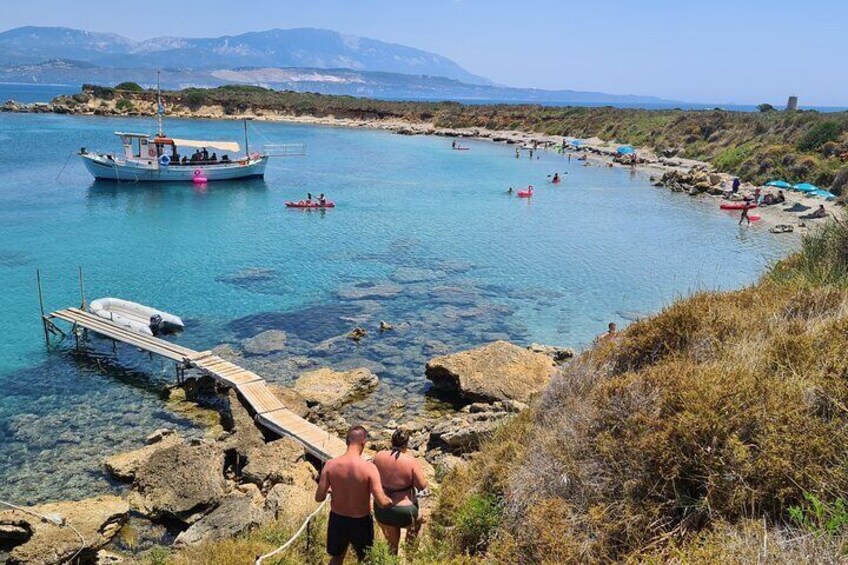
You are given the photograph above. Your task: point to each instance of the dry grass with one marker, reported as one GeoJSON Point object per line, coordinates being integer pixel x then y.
{"type": "Point", "coordinates": [685, 440]}
{"type": "Point", "coordinates": [722, 408]}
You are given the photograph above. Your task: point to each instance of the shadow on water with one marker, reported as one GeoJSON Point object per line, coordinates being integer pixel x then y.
{"type": "Point", "coordinates": [106, 189]}
{"type": "Point", "coordinates": [313, 323]}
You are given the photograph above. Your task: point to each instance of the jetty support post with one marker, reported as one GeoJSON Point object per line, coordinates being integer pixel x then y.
{"type": "Point", "coordinates": [83, 304]}
{"type": "Point", "coordinates": [41, 305]}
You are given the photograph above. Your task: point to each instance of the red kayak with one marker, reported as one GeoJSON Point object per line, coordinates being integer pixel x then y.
{"type": "Point", "coordinates": [313, 205]}
{"type": "Point", "coordinates": [736, 206]}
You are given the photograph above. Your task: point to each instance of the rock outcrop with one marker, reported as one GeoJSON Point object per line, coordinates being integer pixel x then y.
{"type": "Point", "coordinates": [38, 542]}
{"type": "Point", "coordinates": [279, 462]}
{"type": "Point", "coordinates": [495, 372]}
{"type": "Point", "coordinates": [266, 343]}
{"type": "Point", "coordinates": [244, 435]}
{"type": "Point", "coordinates": [291, 399]}
{"type": "Point", "coordinates": [465, 432]}
{"type": "Point", "coordinates": [181, 482]}
{"type": "Point", "coordinates": [559, 354]}
{"type": "Point", "coordinates": [123, 466]}
{"type": "Point", "coordinates": [325, 389]}
{"type": "Point", "coordinates": [235, 514]}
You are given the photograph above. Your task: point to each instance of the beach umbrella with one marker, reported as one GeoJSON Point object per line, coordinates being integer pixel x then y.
{"type": "Point", "coordinates": [806, 187]}
{"type": "Point", "coordinates": [625, 150]}
{"type": "Point", "coordinates": [779, 184]}
{"type": "Point", "coordinates": [826, 194]}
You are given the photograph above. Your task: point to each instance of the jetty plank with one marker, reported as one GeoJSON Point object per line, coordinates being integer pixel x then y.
{"type": "Point", "coordinates": [253, 390]}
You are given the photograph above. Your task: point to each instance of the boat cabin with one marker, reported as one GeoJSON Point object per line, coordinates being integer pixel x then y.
{"type": "Point", "coordinates": [141, 147]}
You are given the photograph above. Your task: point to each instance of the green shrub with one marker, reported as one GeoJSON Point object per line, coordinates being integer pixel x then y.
{"type": "Point", "coordinates": [476, 523]}
{"type": "Point", "coordinates": [130, 86]}
{"type": "Point", "coordinates": [819, 135]}
{"type": "Point", "coordinates": [818, 516]}
{"type": "Point", "coordinates": [124, 105]}
{"type": "Point", "coordinates": [381, 554]}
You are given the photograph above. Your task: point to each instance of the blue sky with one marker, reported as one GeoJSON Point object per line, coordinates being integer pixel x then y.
{"type": "Point", "coordinates": [717, 51]}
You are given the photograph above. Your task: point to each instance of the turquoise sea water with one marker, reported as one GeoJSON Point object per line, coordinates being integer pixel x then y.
{"type": "Point", "coordinates": [422, 237]}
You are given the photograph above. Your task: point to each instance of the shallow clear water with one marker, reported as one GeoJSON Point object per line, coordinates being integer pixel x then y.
{"type": "Point", "coordinates": [455, 260]}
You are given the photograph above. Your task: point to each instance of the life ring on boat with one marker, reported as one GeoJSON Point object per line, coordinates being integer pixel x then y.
{"type": "Point", "coordinates": [164, 160]}
{"type": "Point", "coordinates": [198, 172]}
{"type": "Point", "coordinates": [151, 152]}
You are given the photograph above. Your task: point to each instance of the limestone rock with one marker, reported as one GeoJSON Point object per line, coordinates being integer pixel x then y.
{"type": "Point", "coordinates": [464, 435]}
{"type": "Point", "coordinates": [235, 514]}
{"type": "Point", "coordinates": [497, 371]}
{"type": "Point", "coordinates": [123, 466]}
{"type": "Point", "coordinates": [325, 389]}
{"type": "Point", "coordinates": [290, 500]}
{"type": "Point", "coordinates": [266, 343]}
{"type": "Point", "coordinates": [558, 354]}
{"type": "Point", "coordinates": [280, 461]}
{"type": "Point", "coordinates": [97, 519]}
{"type": "Point", "coordinates": [104, 557]}
{"type": "Point", "coordinates": [179, 482]}
{"type": "Point", "coordinates": [291, 399]}
{"type": "Point", "coordinates": [245, 435]}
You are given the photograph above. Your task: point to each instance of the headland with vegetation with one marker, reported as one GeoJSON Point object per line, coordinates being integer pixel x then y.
{"type": "Point", "coordinates": [799, 146]}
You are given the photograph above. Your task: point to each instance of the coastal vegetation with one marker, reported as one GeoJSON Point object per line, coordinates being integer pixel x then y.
{"type": "Point", "coordinates": [801, 146]}
{"type": "Point", "coordinates": [713, 431]}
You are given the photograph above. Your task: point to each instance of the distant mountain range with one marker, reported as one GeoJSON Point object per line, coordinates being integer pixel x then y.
{"type": "Point", "coordinates": [313, 48]}
{"type": "Point", "coordinates": [306, 60]}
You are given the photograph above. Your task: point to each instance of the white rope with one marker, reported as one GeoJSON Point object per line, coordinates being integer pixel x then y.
{"type": "Point", "coordinates": [297, 534]}
{"type": "Point", "coordinates": [49, 520]}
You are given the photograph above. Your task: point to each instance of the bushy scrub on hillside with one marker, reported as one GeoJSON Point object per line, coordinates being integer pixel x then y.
{"type": "Point", "coordinates": [723, 408]}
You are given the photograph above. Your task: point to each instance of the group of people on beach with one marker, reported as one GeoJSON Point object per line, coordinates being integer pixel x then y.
{"type": "Point", "coordinates": [393, 478]}
{"type": "Point", "coordinates": [757, 198]}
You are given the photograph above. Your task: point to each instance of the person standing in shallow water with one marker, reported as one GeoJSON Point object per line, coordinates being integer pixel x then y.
{"type": "Point", "coordinates": [745, 208]}
{"type": "Point", "coordinates": [352, 481]}
{"type": "Point", "coordinates": [402, 476]}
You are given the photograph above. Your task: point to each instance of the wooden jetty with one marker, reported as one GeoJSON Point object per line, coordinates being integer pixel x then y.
{"type": "Point", "coordinates": [252, 389]}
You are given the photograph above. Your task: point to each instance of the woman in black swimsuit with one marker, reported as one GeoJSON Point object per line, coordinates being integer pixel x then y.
{"type": "Point", "coordinates": [401, 476]}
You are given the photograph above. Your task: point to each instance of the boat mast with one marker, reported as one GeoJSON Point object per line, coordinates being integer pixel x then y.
{"type": "Point", "coordinates": [246, 144]}
{"type": "Point", "coordinates": [159, 108]}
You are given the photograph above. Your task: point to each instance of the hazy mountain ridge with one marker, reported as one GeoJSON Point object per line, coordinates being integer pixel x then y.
{"type": "Point", "coordinates": [300, 79]}
{"type": "Point", "coordinates": [300, 47]}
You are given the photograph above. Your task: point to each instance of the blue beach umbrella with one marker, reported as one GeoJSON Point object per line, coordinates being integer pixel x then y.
{"type": "Point", "coordinates": [625, 150]}
{"type": "Point", "coordinates": [779, 184]}
{"type": "Point", "coordinates": [826, 194]}
{"type": "Point", "coordinates": [806, 187]}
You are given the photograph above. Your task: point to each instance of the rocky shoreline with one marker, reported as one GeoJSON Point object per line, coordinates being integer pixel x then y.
{"type": "Point", "coordinates": [199, 489]}
{"type": "Point", "coordinates": [669, 170]}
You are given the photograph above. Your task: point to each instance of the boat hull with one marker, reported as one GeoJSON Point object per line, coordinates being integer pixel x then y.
{"type": "Point", "coordinates": [103, 167]}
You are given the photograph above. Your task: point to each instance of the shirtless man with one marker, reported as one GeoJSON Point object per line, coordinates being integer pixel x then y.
{"type": "Point", "coordinates": [352, 481]}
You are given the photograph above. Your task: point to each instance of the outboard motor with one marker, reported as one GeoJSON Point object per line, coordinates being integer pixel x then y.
{"type": "Point", "coordinates": [155, 323]}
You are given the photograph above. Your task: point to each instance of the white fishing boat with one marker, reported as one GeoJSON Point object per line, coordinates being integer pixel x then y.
{"type": "Point", "coordinates": [137, 317]}
{"type": "Point", "coordinates": [160, 158]}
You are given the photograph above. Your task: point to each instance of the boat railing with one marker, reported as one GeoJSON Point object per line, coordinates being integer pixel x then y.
{"type": "Point", "coordinates": [285, 150]}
